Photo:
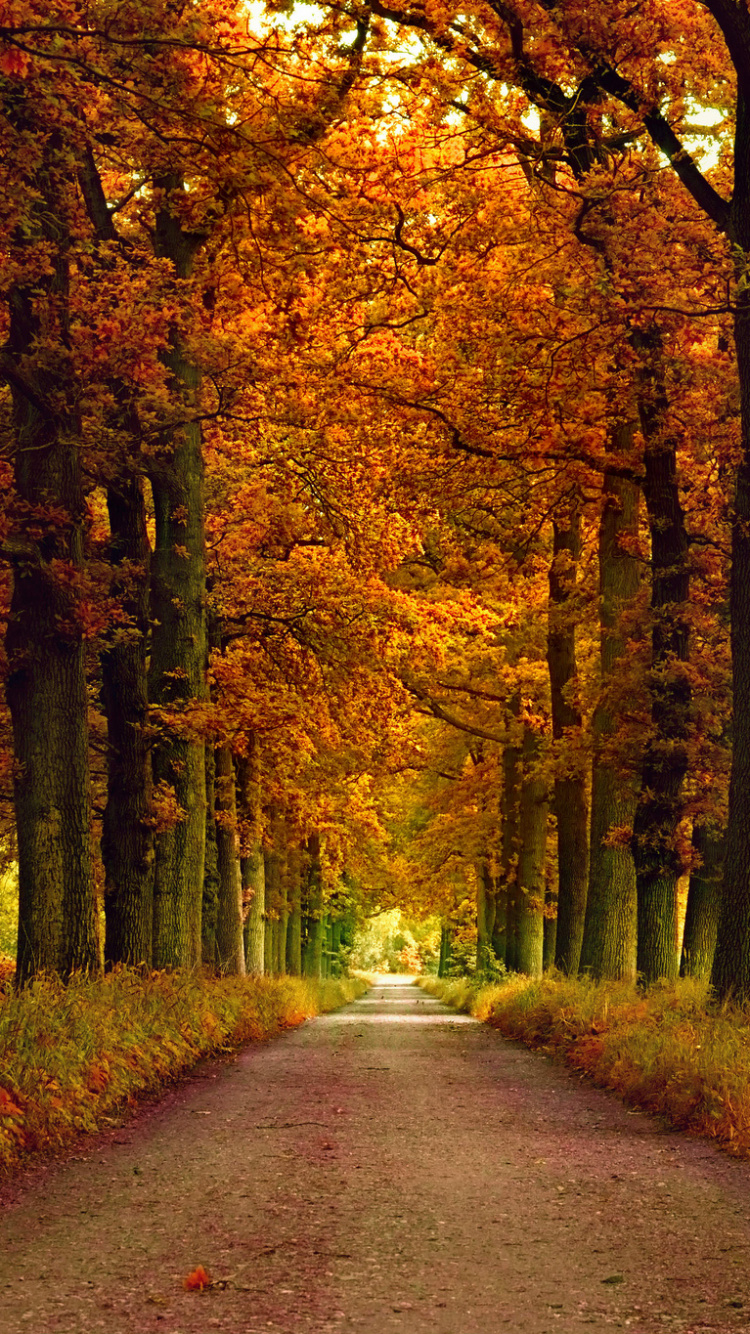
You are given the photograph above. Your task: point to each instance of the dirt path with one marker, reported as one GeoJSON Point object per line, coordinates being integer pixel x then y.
{"type": "Point", "coordinates": [391, 1167]}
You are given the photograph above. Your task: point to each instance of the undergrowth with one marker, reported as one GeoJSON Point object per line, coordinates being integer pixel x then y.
{"type": "Point", "coordinates": [666, 1049]}
{"type": "Point", "coordinates": [71, 1056]}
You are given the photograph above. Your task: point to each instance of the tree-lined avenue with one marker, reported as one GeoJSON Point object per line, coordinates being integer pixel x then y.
{"type": "Point", "coordinates": [391, 1167]}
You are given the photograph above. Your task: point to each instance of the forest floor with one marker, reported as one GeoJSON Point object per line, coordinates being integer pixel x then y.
{"type": "Point", "coordinates": [390, 1167]}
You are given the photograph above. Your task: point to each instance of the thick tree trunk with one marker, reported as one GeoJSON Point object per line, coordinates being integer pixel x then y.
{"type": "Point", "coordinates": [179, 643]}
{"type": "Point", "coordinates": [127, 827]}
{"type": "Point", "coordinates": [252, 863]}
{"type": "Point", "coordinates": [660, 808]}
{"type": "Point", "coordinates": [731, 967]}
{"type": "Point", "coordinates": [230, 949]}
{"type": "Point", "coordinates": [531, 858]}
{"type": "Point", "coordinates": [313, 924]}
{"type": "Point", "coordinates": [609, 941]}
{"type": "Point", "coordinates": [704, 903]}
{"type": "Point", "coordinates": [570, 798]}
{"type": "Point", "coordinates": [294, 929]}
{"type": "Point", "coordinates": [46, 683]}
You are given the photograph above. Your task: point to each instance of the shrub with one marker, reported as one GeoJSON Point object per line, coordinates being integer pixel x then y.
{"type": "Point", "coordinates": [71, 1056]}
{"type": "Point", "coordinates": [666, 1049]}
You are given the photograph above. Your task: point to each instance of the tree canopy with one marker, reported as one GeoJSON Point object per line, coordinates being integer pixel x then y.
{"type": "Point", "coordinates": [375, 528]}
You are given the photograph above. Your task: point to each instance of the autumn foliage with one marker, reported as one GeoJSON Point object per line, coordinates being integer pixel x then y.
{"type": "Point", "coordinates": [72, 1060]}
{"type": "Point", "coordinates": [659, 1050]}
{"type": "Point", "coordinates": [375, 484]}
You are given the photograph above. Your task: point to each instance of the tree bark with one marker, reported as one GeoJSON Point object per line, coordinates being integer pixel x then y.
{"type": "Point", "coordinates": [271, 862]}
{"type": "Point", "coordinates": [704, 903]}
{"type": "Point", "coordinates": [210, 901]}
{"type": "Point", "coordinates": [252, 863]}
{"type": "Point", "coordinates": [294, 929]}
{"type": "Point", "coordinates": [660, 807]}
{"type": "Point", "coordinates": [46, 683]}
{"type": "Point", "coordinates": [609, 940]}
{"type": "Point", "coordinates": [486, 908]}
{"type": "Point", "coordinates": [445, 951]}
{"type": "Point", "coordinates": [731, 967]}
{"type": "Point", "coordinates": [531, 858]}
{"type": "Point", "coordinates": [179, 651]}
{"type": "Point", "coordinates": [127, 827]}
{"type": "Point", "coordinates": [506, 950]}
{"type": "Point", "coordinates": [230, 949]}
{"type": "Point", "coordinates": [570, 797]}
{"type": "Point", "coordinates": [313, 925]}
{"type": "Point", "coordinates": [551, 913]}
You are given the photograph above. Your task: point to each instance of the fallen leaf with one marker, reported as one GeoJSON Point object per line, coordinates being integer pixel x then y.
{"type": "Point", "coordinates": [197, 1280]}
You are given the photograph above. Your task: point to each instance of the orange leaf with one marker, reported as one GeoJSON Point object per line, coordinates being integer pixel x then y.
{"type": "Point", "coordinates": [197, 1280]}
{"type": "Point", "coordinates": [7, 1106]}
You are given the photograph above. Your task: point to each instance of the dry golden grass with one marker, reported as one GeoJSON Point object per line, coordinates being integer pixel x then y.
{"type": "Point", "coordinates": [71, 1056]}
{"type": "Point", "coordinates": [666, 1049]}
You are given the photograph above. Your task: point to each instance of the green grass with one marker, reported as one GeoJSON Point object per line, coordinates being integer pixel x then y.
{"type": "Point", "coordinates": [667, 1049]}
{"type": "Point", "coordinates": [72, 1056]}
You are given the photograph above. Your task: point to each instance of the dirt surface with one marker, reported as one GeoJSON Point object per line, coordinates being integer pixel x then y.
{"type": "Point", "coordinates": [390, 1167]}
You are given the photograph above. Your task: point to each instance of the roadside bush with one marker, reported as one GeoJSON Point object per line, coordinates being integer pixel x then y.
{"type": "Point", "coordinates": [666, 1049]}
{"type": "Point", "coordinates": [72, 1056]}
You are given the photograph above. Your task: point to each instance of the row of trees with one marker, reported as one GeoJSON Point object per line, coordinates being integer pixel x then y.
{"type": "Point", "coordinates": [375, 445]}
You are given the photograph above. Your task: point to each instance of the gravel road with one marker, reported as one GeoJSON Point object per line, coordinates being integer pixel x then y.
{"type": "Point", "coordinates": [391, 1167]}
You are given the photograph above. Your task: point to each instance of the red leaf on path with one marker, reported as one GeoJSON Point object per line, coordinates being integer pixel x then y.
{"type": "Point", "coordinates": [197, 1280]}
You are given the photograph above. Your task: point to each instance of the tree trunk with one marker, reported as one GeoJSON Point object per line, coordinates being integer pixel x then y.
{"type": "Point", "coordinates": [127, 828]}
{"type": "Point", "coordinates": [46, 683]}
{"type": "Point", "coordinates": [294, 929]}
{"type": "Point", "coordinates": [271, 862]}
{"type": "Point", "coordinates": [282, 926]}
{"type": "Point", "coordinates": [252, 863]}
{"type": "Point", "coordinates": [337, 928]}
{"type": "Point", "coordinates": [210, 903]}
{"type": "Point", "coordinates": [551, 909]}
{"type": "Point", "coordinates": [704, 903]}
{"type": "Point", "coordinates": [485, 915]}
{"type": "Point", "coordinates": [313, 925]}
{"type": "Point", "coordinates": [531, 858]}
{"type": "Point", "coordinates": [275, 892]}
{"type": "Point", "coordinates": [500, 928]}
{"type": "Point", "coordinates": [279, 832]}
{"type": "Point", "coordinates": [179, 643]}
{"type": "Point", "coordinates": [445, 951]}
{"type": "Point", "coordinates": [731, 967]}
{"type": "Point", "coordinates": [570, 799]}
{"type": "Point", "coordinates": [230, 950]}
{"type": "Point", "coordinates": [660, 808]}
{"type": "Point", "coordinates": [507, 894]}
{"type": "Point", "coordinates": [609, 941]}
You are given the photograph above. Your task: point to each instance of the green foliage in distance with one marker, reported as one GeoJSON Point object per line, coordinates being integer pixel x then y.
{"type": "Point", "coordinates": [393, 943]}
{"type": "Point", "coordinates": [9, 909]}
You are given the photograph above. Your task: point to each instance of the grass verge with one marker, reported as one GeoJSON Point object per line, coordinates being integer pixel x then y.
{"type": "Point", "coordinates": [665, 1049]}
{"type": "Point", "coordinates": [71, 1056]}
